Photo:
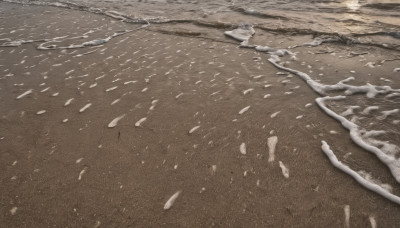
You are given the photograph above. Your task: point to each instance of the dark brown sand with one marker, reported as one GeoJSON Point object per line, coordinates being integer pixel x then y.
{"type": "Point", "coordinates": [82, 173]}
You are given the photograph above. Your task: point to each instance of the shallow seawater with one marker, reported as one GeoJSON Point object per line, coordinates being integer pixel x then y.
{"type": "Point", "coordinates": [363, 16]}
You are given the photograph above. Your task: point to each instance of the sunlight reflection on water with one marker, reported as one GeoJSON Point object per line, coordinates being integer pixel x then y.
{"type": "Point", "coordinates": [353, 4]}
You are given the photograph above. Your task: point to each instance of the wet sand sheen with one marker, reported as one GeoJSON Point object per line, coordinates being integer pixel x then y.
{"type": "Point", "coordinates": [178, 130]}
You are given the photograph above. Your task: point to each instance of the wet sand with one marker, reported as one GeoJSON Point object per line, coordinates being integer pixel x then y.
{"type": "Point", "coordinates": [204, 100]}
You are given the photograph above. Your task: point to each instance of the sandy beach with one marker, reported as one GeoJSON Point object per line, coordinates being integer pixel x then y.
{"type": "Point", "coordinates": [103, 121]}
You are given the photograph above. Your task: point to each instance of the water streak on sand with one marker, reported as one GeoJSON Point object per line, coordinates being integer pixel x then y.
{"type": "Point", "coordinates": [171, 200]}
{"type": "Point", "coordinates": [272, 141]}
{"type": "Point", "coordinates": [85, 107]}
{"type": "Point", "coordinates": [24, 94]}
{"type": "Point", "coordinates": [115, 121]}
{"type": "Point", "coordinates": [139, 122]}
